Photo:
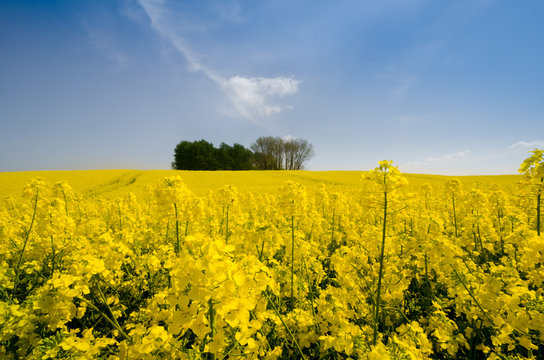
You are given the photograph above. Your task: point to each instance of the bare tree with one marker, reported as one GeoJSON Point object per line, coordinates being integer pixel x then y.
{"type": "Point", "coordinates": [278, 151]}
{"type": "Point", "coordinates": [264, 153]}
{"type": "Point", "coordinates": [273, 153]}
{"type": "Point", "coordinates": [290, 150]}
{"type": "Point", "coordinates": [304, 151]}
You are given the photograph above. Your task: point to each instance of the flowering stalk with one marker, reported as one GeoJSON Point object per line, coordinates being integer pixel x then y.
{"type": "Point", "coordinates": [227, 227]}
{"type": "Point", "coordinates": [389, 178]}
{"type": "Point", "coordinates": [472, 296]}
{"type": "Point", "coordinates": [533, 168]}
{"type": "Point", "coordinates": [120, 219]}
{"type": "Point", "coordinates": [292, 260]}
{"type": "Point", "coordinates": [285, 325]}
{"type": "Point", "coordinates": [454, 214]}
{"type": "Point", "coordinates": [211, 319]}
{"type": "Point", "coordinates": [112, 322]}
{"type": "Point", "coordinates": [27, 236]}
{"type": "Point", "coordinates": [538, 207]}
{"type": "Point", "coordinates": [65, 202]}
{"type": "Point", "coordinates": [177, 246]}
{"type": "Point", "coordinates": [380, 273]}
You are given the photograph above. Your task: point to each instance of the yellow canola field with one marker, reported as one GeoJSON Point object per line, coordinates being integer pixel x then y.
{"type": "Point", "coordinates": [127, 264]}
{"type": "Point", "coordinates": [117, 182]}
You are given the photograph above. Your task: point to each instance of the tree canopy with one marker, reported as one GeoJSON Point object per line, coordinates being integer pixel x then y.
{"type": "Point", "coordinates": [276, 153]}
{"type": "Point", "coordinates": [267, 153]}
{"type": "Point", "coordinates": [202, 155]}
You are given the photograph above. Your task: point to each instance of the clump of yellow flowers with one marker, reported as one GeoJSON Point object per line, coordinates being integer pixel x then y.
{"type": "Point", "coordinates": [388, 271]}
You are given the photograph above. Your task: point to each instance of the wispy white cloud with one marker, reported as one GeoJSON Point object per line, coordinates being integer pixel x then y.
{"type": "Point", "coordinates": [288, 138]}
{"type": "Point", "coordinates": [158, 14]}
{"type": "Point", "coordinates": [438, 160]}
{"type": "Point", "coordinates": [251, 96]}
{"type": "Point", "coordinates": [527, 145]}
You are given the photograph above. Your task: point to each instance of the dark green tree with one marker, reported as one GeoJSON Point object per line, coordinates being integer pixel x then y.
{"type": "Point", "coordinates": [235, 157]}
{"type": "Point", "coordinates": [269, 153]}
{"type": "Point", "coordinates": [196, 155]}
{"type": "Point", "coordinates": [202, 155]}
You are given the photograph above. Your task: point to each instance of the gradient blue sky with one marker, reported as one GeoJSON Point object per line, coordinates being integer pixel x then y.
{"type": "Point", "coordinates": [443, 87]}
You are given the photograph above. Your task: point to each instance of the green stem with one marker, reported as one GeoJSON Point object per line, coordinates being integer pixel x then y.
{"type": "Point", "coordinates": [399, 310]}
{"type": "Point", "coordinates": [261, 252]}
{"type": "Point", "coordinates": [112, 322]}
{"type": "Point", "coordinates": [109, 309]}
{"type": "Point", "coordinates": [480, 237]}
{"type": "Point", "coordinates": [53, 254]}
{"type": "Point", "coordinates": [538, 207]}
{"type": "Point", "coordinates": [501, 229]}
{"type": "Point", "coordinates": [292, 260]}
{"type": "Point", "coordinates": [227, 227]}
{"type": "Point", "coordinates": [472, 296]}
{"type": "Point", "coordinates": [333, 244]}
{"type": "Point", "coordinates": [472, 355]}
{"type": "Point", "coordinates": [167, 231]}
{"type": "Point", "coordinates": [211, 319]}
{"type": "Point", "coordinates": [310, 290]}
{"type": "Point", "coordinates": [454, 213]}
{"type": "Point", "coordinates": [27, 236]}
{"type": "Point", "coordinates": [65, 202]}
{"type": "Point", "coordinates": [177, 246]}
{"type": "Point", "coordinates": [120, 220]}
{"type": "Point", "coordinates": [380, 273]}
{"type": "Point", "coordinates": [285, 325]}
{"type": "Point", "coordinates": [426, 268]}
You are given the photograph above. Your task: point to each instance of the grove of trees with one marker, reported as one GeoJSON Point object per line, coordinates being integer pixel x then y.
{"type": "Point", "coordinates": [202, 155]}
{"type": "Point", "coordinates": [276, 153]}
{"type": "Point", "coordinates": [267, 153]}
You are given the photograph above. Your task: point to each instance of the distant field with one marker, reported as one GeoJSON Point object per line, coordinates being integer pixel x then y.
{"type": "Point", "coordinates": [113, 182]}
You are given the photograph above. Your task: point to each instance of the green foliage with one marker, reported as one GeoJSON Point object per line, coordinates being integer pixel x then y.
{"type": "Point", "coordinates": [269, 153]}
{"type": "Point", "coordinates": [202, 155]}
{"type": "Point", "coordinates": [235, 157]}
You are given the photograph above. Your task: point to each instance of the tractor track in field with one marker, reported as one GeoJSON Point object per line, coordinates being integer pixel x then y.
{"type": "Point", "coordinates": [124, 180]}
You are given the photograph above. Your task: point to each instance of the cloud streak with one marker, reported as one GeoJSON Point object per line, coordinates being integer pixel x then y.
{"type": "Point", "coordinates": [251, 96]}
{"type": "Point", "coordinates": [524, 145]}
{"type": "Point", "coordinates": [439, 160]}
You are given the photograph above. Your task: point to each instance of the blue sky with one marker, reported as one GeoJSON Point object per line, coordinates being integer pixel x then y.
{"type": "Point", "coordinates": [443, 87]}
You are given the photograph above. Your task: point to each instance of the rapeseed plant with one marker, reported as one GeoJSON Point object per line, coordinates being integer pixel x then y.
{"type": "Point", "coordinates": [375, 270]}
